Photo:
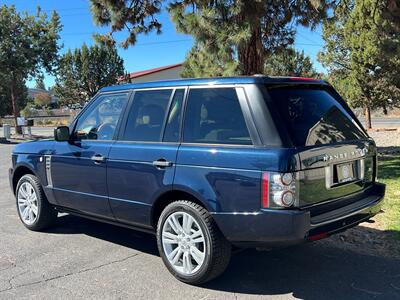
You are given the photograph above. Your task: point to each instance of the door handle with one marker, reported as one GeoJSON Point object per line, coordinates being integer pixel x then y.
{"type": "Point", "coordinates": [98, 158]}
{"type": "Point", "coordinates": [162, 163]}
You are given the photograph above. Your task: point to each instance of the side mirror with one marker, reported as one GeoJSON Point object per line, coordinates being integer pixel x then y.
{"type": "Point", "coordinates": [61, 134]}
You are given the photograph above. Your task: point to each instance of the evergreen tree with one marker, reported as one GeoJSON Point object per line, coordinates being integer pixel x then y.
{"type": "Point", "coordinates": [28, 44]}
{"type": "Point", "coordinates": [85, 70]}
{"type": "Point", "coordinates": [290, 62]}
{"type": "Point", "coordinates": [248, 30]}
{"type": "Point", "coordinates": [201, 62]}
{"type": "Point", "coordinates": [40, 82]}
{"type": "Point", "coordinates": [357, 51]}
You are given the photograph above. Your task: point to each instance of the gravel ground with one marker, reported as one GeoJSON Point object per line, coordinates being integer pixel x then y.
{"type": "Point", "coordinates": [386, 138]}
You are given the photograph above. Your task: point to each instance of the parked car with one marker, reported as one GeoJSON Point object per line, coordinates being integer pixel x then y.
{"type": "Point", "coordinates": [206, 164]}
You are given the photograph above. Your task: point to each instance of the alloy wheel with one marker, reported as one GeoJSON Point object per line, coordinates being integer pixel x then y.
{"type": "Point", "coordinates": [183, 243]}
{"type": "Point", "coordinates": [27, 203]}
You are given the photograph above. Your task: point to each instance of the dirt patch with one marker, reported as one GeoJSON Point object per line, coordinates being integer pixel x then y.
{"type": "Point", "coordinates": [367, 239]}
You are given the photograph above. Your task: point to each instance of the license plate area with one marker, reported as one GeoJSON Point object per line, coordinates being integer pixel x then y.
{"type": "Point", "coordinates": [344, 173]}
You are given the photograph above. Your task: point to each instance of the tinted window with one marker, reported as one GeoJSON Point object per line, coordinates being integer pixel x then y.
{"type": "Point", "coordinates": [214, 116]}
{"type": "Point", "coordinates": [171, 133]}
{"type": "Point", "coordinates": [100, 120]}
{"type": "Point", "coordinates": [147, 114]}
{"type": "Point", "coordinates": [314, 116]}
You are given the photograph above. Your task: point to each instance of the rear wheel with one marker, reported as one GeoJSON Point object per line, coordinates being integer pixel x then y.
{"type": "Point", "coordinates": [190, 244]}
{"type": "Point", "coordinates": [34, 210]}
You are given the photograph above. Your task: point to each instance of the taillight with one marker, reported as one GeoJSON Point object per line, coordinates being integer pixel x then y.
{"type": "Point", "coordinates": [279, 190]}
{"type": "Point", "coordinates": [265, 190]}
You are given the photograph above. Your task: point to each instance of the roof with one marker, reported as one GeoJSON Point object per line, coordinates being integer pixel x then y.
{"type": "Point", "coordinates": [151, 71]}
{"type": "Point", "coordinates": [260, 79]}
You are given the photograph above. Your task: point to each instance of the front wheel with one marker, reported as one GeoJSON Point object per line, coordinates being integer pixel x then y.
{"type": "Point", "coordinates": [190, 243]}
{"type": "Point", "coordinates": [35, 212]}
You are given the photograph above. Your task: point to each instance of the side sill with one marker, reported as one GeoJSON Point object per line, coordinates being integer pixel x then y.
{"type": "Point", "coordinates": [145, 229]}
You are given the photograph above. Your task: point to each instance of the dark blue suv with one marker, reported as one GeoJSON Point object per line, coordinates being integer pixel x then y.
{"type": "Point", "coordinates": [206, 164]}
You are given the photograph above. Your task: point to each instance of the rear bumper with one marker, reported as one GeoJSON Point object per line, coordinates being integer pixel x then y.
{"type": "Point", "coordinates": [288, 227]}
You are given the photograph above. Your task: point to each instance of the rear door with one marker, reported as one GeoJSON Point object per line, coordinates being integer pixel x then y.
{"type": "Point", "coordinates": [336, 156]}
{"type": "Point", "coordinates": [141, 163]}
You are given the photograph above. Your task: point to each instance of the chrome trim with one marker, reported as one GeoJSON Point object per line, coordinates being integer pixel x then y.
{"type": "Point", "coordinates": [369, 205]}
{"type": "Point", "coordinates": [48, 170]}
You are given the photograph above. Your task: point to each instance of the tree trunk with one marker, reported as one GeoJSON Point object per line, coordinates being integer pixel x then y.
{"type": "Point", "coordinates": [368, 124]}
{"type": "Point", "coordinates": [18, 129]}
{"type": "Point", "coordinates": [251, 54]}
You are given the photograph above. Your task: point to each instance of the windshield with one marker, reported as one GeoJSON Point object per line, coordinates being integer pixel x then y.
{"type": "Point", "coordinates": [313, 116]}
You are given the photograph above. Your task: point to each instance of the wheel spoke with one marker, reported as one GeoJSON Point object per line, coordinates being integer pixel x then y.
{"type": "Point", "coordinates": [187, 222]}
{"type": "Point", "coordinates": [175, 255]}
{"type": "Point", "coordinates": [23, 192]}
{"type": "Point", "coordinates": [31, 216]}
{"type": "Point", "coordinates": [187, 263]}
{"type": "Point", "coordinates": [25, 213]}
{"type": "Point", "coordinates": [198, 240]}
{"type": "Point", "coordinates": [172, 225]}
{"type": "Point", "coordinates": [170, 238]}
{"type": "Point", "coordinates": [34, 209]}
{"type": "Point", "coordinates": [197, 255]}
{"type": "Point", "coordinates": [176, 224]}
{"type": "Point", "coordinates": [196, 234]}
{"type": "Point", "coordinates": [21, 201]}
{"type": "Point", "coordinates": [29, 191]}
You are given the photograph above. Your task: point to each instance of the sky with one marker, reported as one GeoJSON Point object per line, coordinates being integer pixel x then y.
{"type": "Point", "coordinates": [152, 50]}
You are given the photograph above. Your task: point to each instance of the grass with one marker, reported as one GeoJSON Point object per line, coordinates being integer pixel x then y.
{"type": "Point", "coordinates": [389, 174]}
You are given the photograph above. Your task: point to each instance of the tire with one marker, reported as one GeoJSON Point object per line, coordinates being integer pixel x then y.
{"type": "Point", "coordinates": [215, 250]}
{"type": "Point", "coordinates": [45, 213]}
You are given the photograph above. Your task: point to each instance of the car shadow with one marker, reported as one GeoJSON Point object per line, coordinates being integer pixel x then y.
{"type": "Point", "coordinates": [310, 271]}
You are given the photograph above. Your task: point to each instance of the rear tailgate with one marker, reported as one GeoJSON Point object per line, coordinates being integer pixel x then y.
{"type": "Point", "coordinates": [331, 172]}
{"type": "Point", "coordinates": [336, 158]}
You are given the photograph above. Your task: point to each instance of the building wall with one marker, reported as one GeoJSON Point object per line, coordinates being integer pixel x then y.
{"type": "Point", "coordinates": [173, 73]}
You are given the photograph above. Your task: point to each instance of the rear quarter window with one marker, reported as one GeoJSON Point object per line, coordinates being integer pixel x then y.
{"type": "Point", "coordinates": [214, 116]}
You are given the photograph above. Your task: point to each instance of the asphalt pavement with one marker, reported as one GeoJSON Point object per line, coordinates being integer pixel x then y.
{"type": "Point", "coordinates": [82, 259]}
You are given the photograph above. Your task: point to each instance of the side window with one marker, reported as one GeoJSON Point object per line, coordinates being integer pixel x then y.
{"type": "Point", "coordinates": [147, 115]}
{"type": "Point", "coordinates": [214, 116]}
{"type": "Point", "coordinates": [172, 125]}
{"type": "Point", "coordinates": [100, 120]}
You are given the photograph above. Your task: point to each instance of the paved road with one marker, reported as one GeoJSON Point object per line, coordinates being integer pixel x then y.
{"type": "Point", "coordinates": [82, 259]}
{"type": "Point", "coordinates": [384, 122]}
{"type": "Point", "coordinates": [41, 131]}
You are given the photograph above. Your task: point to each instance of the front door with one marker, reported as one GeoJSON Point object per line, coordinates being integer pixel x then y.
{"type": "Point", "coordinates": [141, 163]}
{"type": "Point", "coordinates": [79, 167]}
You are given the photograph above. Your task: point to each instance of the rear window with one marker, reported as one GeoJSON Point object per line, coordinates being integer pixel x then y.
{"type": "Point", "coordinates": [314, 117]}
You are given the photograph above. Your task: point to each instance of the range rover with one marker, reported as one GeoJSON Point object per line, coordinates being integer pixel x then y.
{"type": "Point", "coordinates": [206, 164]}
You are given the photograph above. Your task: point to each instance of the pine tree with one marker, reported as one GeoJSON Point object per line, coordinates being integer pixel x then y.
{"type": "Point", "coordinates": [40, 82]}
{"type": "Point", "coordinates": [245, 31]}
{"type": "Point", "coordinates": [290, 62]}
{"type": "Point", "coordinates": [356, 52]}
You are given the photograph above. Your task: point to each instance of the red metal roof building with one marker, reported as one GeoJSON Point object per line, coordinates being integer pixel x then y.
{"type": "Point", "coordinates": [162, 73]}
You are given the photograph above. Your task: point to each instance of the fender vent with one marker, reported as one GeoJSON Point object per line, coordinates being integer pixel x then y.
{"type": "Point", "coordinates": [48, 171]}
